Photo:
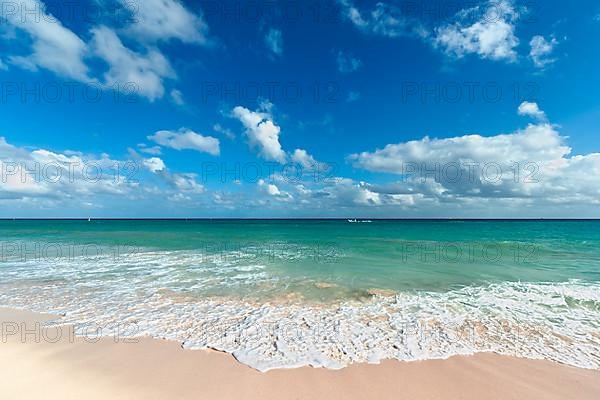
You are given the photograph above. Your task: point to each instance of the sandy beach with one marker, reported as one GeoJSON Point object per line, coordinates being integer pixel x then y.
{"type": "Point", "coordinates": [54, 365]}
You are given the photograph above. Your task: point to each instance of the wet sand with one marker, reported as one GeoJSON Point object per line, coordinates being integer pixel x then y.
{"type": "Point", "coordinates": [50, 363]}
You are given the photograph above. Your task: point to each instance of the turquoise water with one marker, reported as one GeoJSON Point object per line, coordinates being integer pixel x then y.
{"type": "Point", "coordinates": [341, 258]}
{"type": "Point", "coordinates": [170, 275]}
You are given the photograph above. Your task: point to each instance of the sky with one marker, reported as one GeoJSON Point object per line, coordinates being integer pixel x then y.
{"type": "Point", "coordinates": [299, 109]}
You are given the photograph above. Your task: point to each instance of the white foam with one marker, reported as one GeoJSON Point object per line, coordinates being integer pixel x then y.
{"type": "Point", "coordinates": [153, 291]}
{"type": "Point", "coordinates": [553, 321]}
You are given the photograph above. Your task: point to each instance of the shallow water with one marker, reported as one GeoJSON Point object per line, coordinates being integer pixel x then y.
{"type": "Point", "coordinates": [322, 293]}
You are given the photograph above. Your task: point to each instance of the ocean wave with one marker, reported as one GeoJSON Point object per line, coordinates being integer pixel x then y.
{"type": "Point", "coordinates": [553, 321]}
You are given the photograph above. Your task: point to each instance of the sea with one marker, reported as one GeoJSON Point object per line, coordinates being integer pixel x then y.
{"type": "Point", "coordinates": [320, 293]}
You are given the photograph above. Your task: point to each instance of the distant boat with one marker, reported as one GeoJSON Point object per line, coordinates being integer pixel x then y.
{"type": "Point", "coordinates": [355, 221]}
{"type": "Point", "coordinates": [89, 220]}
{"type": "Point", "coordinates": [352, 221]}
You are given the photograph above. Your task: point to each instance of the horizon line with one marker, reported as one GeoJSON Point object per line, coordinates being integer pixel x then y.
{"type": "Point", "coordinates": [291, 219]}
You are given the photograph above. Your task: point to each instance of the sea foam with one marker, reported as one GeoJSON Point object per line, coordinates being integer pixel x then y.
{"type": "Point", "coordinates": [173, 295]}
{"type": "Point", "coordinates": [552, 321]}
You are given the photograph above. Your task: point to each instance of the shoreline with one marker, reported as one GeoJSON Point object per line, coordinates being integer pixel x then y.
{"type": "Point", "coordinates": [272, 336]}
{"type": "Point", "coordinates": [72, 368]}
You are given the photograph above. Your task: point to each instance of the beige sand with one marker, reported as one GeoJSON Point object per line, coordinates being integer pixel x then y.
{"type": "Point", "coordinates": [154, 369]}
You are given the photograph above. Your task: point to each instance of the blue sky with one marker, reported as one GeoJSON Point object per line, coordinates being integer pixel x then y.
{"type": "Point", "coordinates": [340, 108]}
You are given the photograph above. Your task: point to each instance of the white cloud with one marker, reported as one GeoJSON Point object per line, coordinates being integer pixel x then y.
{"type": "Point", "coordinates": [346, 63]}
{"type": "Point", "coordinates": [154, 164]}
{"type": "Point", "coordinates": [69, 183]}
{"type": "Point", "coordinates": [145, 71]}
{"type": "Point", "coordinates": [177, 97]}
{"type": "Point", "coordinates": [308, 162]}
{"type": "Point", "coordinates": [262, 133]}
{"type": "Point", "coordinates": [15, 182]}
{"type": "Point", "coordinates": [531, 110]}
{"type": "Point", "coordinates": [541, 50]}
{"type": "Point", "coordinates": [185, 139]}
{"type": "Point", "coordinates": [162, 20]}
{"type": "Point", "coordinates": [187, 182]}
{"type": "Point", "coordinates": [535, 143]}
{"type": "Point", "coordinates": [181, 182]}
{"type": "Point", "coordinates": [269, 188]}
{"type": "Point", "coordinates": [274, 41]}
{"type": "Point", "coordinates": [154, 150]}
{"type": "Point", "coordinates": [534, 163]}
{"type": "Point", "coordinates": [384, 20]}
{"type": "Point", "coordinates": [53, 46]}
{"type": "Point", "coordinates": [273, 191]}
{"type": "Point", "coordinates": [41, 173]}
{"type": "Point", "coordinates": [346, 192]}
{"type": "Point", "coordinates": [492, 36]}
{"type": "Point", "coordinates": [58, 49]}
{"type": "Point", "coordinates": [302, 157]}
{"type": "Point", "coordinates": [224, 131]}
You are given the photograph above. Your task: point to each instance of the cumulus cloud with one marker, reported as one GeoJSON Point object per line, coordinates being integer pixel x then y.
{"type": "Point", "coordinates": [53, 46]}
{"type": "Point", "coordinates": [492, 36]}
{"type": "Point", "coordinates": [74, 182]}
{"type": "Point", "coordinates": [58, 49]}
{"type": "Point", "coordinates": [15, 182]}
{"type": "Point", "coordinates": [154, 164]}
{"type": "Point", "coordinates": [69, 182]}
{"type": "Point", "coordinates": [163, 20]}
{"type": "Point", "coordinates": [273, 191]}
{"type": "Point", "coordinates": [541, 49]}
{"type": "Point", "coordinates": [531, 163]}
{"type": "Point", "coordinates": [344, 191]}
{"type": "Point", "coordinates": [302, 157]}
{"type": "Point", "coordinates": [185, 139]}
{"type": "Point", "coordinates": [146, 71]}
{"type": "Point", "coordinates": [274, 41]}
{"type": "Point", "coordinates": [186, 182]}
{"type": "Point", "coordinates": [262, 133]}
{"type": "Point", "coordinates": [269, 188]}
{"type": "Point", "coordinates": [534, 143]}
{"type": "Point", "coordinates": [42, 173]}
{"type": "Point", "coordinates": [487, 29]}
{"type": "Point", "coordinates": [181, 182]}
{"type": "Point", "coordinates": [529, 109]}
{"type": "Point", "coordinates": [311, 166]}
